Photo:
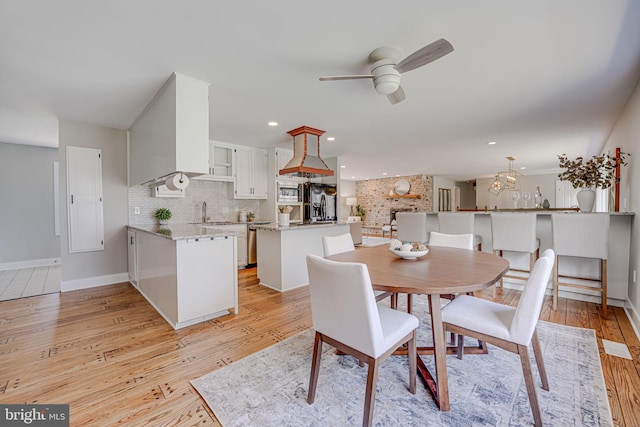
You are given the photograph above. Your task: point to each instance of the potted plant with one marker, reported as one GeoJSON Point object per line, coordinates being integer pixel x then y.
{"type": "Point", "coordinates": [360, 212]}
{"type": "Point", "coordinates": [251, 216]}
{"type": "Point", "coordinates": [163, 215]}
{"type": "Point", "coordinates": [597, 172]}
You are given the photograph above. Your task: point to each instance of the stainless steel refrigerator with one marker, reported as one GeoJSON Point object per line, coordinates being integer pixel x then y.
{"type": "Point", "coordinates": [320, 202]}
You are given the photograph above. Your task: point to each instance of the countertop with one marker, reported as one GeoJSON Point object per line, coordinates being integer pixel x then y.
{"type": "Point", "coordinates": [295, 226]}
{"type": "Point", "coordinates": [182, 231]}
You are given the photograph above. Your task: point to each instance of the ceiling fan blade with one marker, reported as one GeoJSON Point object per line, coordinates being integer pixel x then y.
{"type": "Point", "coordinates": [397, 96]}
{"type": "Point", "coordinates": [423, 56]}
{"type": "Point", "coordinates": [348, 77]}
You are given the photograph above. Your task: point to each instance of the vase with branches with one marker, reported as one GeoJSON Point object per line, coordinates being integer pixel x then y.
{"type": "Point", "coordinates": [597, 172]}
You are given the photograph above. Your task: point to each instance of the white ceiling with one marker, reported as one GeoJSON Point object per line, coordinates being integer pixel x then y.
{"type": "Point", "coordinates": [540, 77]}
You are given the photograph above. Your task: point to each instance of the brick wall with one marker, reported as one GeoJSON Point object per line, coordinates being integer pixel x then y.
{"type": "Point", "coordinates": [373, 196]}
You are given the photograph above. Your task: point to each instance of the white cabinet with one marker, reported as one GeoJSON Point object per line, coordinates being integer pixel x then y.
{"type": "Point", "coordinates": [250, 173]}
{"type": "Point", "coordinates": [172, 133]}
{"type": "Point", "coordinates": [220, 162]}
{"type": "Point", "coordinates": [133, 258]}
{"type": "Point", "coordinates": [241, 229]}
{"type": "Point", "coordinates": [84, 199]}
{"type": "Point", "coordinates": [188, 281]}
{"type": "Point", "coordinates": [204, 285]}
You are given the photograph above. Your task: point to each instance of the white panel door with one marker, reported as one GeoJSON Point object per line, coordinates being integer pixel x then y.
{"type": "Point", "coordinates": [84, 199]}
{"type": "Point", "coordinates": [259, 173]}
{"type": "Point", "coordinates": [242, 167]}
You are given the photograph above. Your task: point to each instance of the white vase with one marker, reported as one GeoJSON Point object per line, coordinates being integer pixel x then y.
{"type": "Point", "coordinates": [586, 197]}
{"type": "Point", "coordinates": [283, 219]}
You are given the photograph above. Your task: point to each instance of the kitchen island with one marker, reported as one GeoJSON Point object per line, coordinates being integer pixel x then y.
{"type": "Point", "coordinates": [187, 272]}
{"type": "Point", "coordinates": [282, 252]}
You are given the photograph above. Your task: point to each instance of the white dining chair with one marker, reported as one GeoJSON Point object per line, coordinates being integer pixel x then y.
{"type": "Point", "coordinates": [344, 243]}
{"type": "Point", "coordinates": [460, 241]}
{"type": "Point", "coordinates": [345, 315]}
{"type": "Point", "coordinates": [337, 244]}
{"type": "Point", "coordinates": [459, 223]}
{"type": "Point", "coordinates": [584, 235]}
{"type": "Point", "coordinates": [515, 232]}
{"type": "Point", "coordinates": [412, 227]}
{"type": "Point", "coordinates": [510, 328]}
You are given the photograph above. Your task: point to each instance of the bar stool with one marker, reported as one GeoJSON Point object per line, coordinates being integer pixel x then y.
{"type": "Point", "coordinates": [584, 235]}
{"type": "Point", "coordinates": [412, 227]}
{"type": "Point", "coordinates": [459, 223]}
{"type": "Point", "coordinates": [515, 232]}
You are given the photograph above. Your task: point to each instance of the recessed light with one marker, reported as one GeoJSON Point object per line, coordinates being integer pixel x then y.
{"type": "Point", "coordinates": [492, 143]}
{"type": "Point", "coordinates": [353, 177]}
{"type": "Point", "coordinates": [523, 167]}
{"type": "Point", "coordinates": [331, 138]}
{"type": "Point", "coordinates": [273, 123]}
{"type": "Point", "coordinates": [384, 174]}
{"type": "Point", "coordinates": [342, 166]}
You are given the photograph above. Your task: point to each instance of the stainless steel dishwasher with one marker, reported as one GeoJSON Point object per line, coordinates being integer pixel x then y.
{"type": "Point", "coordinates": [252, 247]}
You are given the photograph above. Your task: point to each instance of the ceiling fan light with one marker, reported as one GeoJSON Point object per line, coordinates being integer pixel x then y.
{"type": "Point", "coordinates": [387, 87]}
{"type": "Point", "coordinates": [386, 78]}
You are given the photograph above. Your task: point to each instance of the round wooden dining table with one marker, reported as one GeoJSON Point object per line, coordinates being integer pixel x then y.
{"type": "Point", "coordinates": [442, 271]}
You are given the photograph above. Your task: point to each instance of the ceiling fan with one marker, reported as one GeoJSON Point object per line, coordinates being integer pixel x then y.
{"type": "Point", "coordinates": [386, 67]}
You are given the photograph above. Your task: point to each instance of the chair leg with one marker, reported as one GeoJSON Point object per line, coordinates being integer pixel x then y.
{"type": "Point", "coordinates": [603, 277]}
{"type": "Point", "coordinates": [370, 394]}
{"type": "Point", "coordinates": [537, 351]}
{"type": "Point", "coordinates": [315, 368]}
{"type": "Point", "coordinates": [413, 362]}
{"type": "Point", "coordinates": [555, 284]}
{"type": "Point", "coordinates": [531, 388]}
{"type": "Point", "coordinates": [532, 261]}
{"type": "Point", "coordinates": [461, 346]}
{"type": "Point", "coordinates": [500, 283]}
{"type": "Point", "coordinates": [394, 300]}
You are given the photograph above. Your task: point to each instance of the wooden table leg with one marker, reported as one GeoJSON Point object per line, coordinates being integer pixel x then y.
{"type": "Point", "coordinates": [439, 386]}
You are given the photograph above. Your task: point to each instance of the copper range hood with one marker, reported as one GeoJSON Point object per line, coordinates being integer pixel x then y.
{"type": "Point", "coordinates": [306, 161]}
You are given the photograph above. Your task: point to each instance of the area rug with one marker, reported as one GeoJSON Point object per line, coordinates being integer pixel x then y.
{"type": "Point", "coordinates": [269, 388]}
{"type": "Point", "coordinates": [368, 241]}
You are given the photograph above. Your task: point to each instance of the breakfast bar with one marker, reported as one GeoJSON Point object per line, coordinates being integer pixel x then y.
{"type": "Point", "coordinates": [618, 248]}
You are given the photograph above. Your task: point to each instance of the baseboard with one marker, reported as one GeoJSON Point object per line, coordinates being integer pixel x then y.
{"type": "Point", "coordinates": [633, 316]}
{"type": "Point", "coordinates": [93, 282]}
{"type": "Point", "coordinates": [42, 262]}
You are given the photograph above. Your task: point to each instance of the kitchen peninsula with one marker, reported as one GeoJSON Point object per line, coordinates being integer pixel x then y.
{"type": "Point", "coordinates": [282, 252]}
{"type": "Point", "coordinates": [187, 272]}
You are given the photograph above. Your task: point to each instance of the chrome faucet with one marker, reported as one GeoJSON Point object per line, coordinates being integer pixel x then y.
{"type": "Point", "coordinates": [204, 212]}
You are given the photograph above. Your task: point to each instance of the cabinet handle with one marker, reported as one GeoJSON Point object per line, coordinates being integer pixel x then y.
{"type": "Point", "coordinates": [72, 199]}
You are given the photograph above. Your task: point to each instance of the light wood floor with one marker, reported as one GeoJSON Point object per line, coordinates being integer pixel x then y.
{"type": "Point", "coordinates": [107, 353]}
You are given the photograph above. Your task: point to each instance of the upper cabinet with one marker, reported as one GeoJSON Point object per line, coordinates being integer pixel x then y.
{"type": "Point", "coordinates": [250, 173]}
{"type": "Point", "coordinates": [172, 133]}
{"type": "Point", "coordinates": [220, 162]}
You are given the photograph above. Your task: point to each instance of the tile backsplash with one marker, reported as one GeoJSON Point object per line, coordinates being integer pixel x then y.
{"type": "Point", "coordinates": [221, 206]}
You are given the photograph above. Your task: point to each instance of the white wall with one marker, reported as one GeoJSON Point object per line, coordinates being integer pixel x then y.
{"type": "Point", "coordinates": [27, 214]}
{"type": "Point", "coordinates": [546, 182]}
{"type": "Point", "coordinates": [438, 183]}
{"type": "Point", "coordinates": [346, 189]}
{"type": "Point", "coordinates": [97, 268]}
{"type": "Point", "coordinates": [626, 135]}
